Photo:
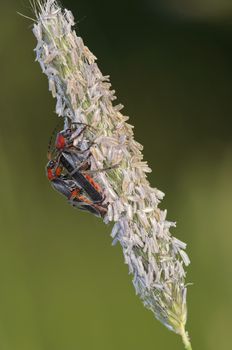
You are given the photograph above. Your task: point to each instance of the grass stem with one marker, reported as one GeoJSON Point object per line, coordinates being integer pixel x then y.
{"type": "Point", "coordinates": [185, 339]}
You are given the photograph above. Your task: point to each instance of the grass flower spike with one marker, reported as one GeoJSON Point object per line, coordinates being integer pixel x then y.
{"type": "Point", "coordinates": [155, 258]}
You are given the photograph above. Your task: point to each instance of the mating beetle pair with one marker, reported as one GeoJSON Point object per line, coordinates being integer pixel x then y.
{"type": "Point", "coordinates": [68, 171]}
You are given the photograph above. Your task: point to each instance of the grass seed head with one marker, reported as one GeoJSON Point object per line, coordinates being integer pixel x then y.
{"type": "Point", "coordinates": [155, 258]}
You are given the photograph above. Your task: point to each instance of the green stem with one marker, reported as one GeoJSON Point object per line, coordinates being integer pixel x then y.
{"type": "Point", "coordinates": [185, 339]}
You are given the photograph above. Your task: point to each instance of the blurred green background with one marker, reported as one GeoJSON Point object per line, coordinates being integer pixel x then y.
{"type": "Point", "coordinates": [62, 284]}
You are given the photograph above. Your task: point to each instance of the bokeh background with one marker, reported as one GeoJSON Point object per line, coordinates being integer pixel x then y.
{"type": "Point", "coordinates": [62, 285]}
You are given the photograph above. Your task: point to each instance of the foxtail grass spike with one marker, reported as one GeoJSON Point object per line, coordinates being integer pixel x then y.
{"type": "Point", "coordinates": [154, 257]}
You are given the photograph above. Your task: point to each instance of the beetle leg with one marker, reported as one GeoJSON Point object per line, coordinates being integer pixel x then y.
{"type": "Point", "coordinates": [85, 124]}
{"type": "Point", "coordinates": [99, 170]}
